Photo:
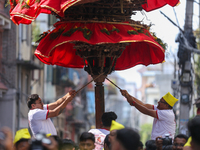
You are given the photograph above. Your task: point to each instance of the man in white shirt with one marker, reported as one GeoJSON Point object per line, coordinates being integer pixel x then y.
{"type": "Point", "coordinates": [101, 133]}
{"type": "Point", "coordinates": [164, 118]}
{"type": "Point", "coordinates": [39, 114]}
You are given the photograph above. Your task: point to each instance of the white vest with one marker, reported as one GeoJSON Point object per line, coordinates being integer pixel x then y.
{"type": "Point", "coordinates": [39, 122]}
{"type": "Point", "coordinates": [163, 124]}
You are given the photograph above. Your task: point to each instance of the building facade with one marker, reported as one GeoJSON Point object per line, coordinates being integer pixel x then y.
{"type": "Point", "coordinates": [20, 73]}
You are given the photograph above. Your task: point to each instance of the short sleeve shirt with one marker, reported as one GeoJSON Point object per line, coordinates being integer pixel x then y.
{"type": "Point", "coordinates": [163, 124]}
{"type": "Point", "coordinates": [100, 135]}
{"type": "Point", "coordinates": [39, 122]}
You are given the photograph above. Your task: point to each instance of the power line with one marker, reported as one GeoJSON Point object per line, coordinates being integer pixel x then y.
{"type": "Point", "coordinates": [185, 42]}
{"type": "Point", "coordinates": [176, 17]}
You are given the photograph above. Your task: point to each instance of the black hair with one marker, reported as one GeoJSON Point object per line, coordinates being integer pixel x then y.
{"type": "Point", "coordinates": [182, 136]}
{"type": "Point", "coordinates": [21, 140]}
{"type": "Point", "coordinates": [150, 145]}
{"type": "Point", "coordinates": [87, 136]}
{"type": "Point", "coordinates": [170, 107]}
{"type": "Point", "coordinates": [57, 138]}
{"type": "Point", "coordinates": [107, 118]}
{"type": "Point", "coordinates": [167, 147]}
{"type": "Point", "coordinates": [107, 142]}
{"type": "Point", "coordinates": [129, 138]}
{"type": "Point", "coordinates": [194, 129]}
{"type": "Point", "coordinates": [68, 143]}
{"type": "Point", "coordinates": [141, 145]}
{"type": "Point", "coordinates": [31, 100]}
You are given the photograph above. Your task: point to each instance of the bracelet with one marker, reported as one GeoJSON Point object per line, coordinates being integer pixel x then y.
{"type": "Point", "coordinates": [133, 103]}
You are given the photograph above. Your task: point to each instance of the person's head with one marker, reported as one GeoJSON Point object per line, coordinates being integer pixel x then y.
{"type": "Point", "coordinates": [67, 144]}
{"type": "Point", "coordinates": [107, 118]}
{"type": "Point", "coordinates": [167, 102]}
{"type": "Point", "coordinates": [194, 129]}
{"type": "Point", "coordinates": [56, 137]}
{"type": "Point", "coordinates": [179, 141]}
{"type": "Point", "coordinates": [113, 129]}
{"type": "Point", "coordinates": [167, 147]}
{"type": "Point", "coordinates": [34, 101]}
{"type": "Point", "coordinates": [126, 139]}
{"type": "Point", "coordinates": [150, 145]}
{"type": "Point", "coordinates": [87, 141]}
{"type": "Point", "coordinates": [21, 140]}
{"type": "Point", "coordinates": [22, 144]}
{"type": "Point", "coordinates": [107, 145]}
{"type": "Point", "coordinates": [140, 146]}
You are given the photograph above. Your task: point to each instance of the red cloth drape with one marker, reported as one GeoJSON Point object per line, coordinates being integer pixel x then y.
{"type": "Point", "coordinates": [155, 4]}
{"type": "Point", "coordinates": [27, 15]}
{"type": "Point", "coordinates": [143, 48]}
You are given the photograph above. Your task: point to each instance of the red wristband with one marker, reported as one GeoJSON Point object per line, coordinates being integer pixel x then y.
{"type": "Point", "coordinates": [133, 103]}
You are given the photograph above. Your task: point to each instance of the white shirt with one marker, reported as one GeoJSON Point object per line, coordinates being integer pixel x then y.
{"type": "Point", "coordinates": [100, 135]}
{"type": "Point", "coordinates": [163, 124]}
{"type": "Point", "coordinates": [39, 122]}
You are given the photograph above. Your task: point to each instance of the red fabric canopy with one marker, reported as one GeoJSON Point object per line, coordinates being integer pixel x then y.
{"type": "Point", "coordinates": [28, 11]}
{"type": "Point", "coordinates": [32, 9]}
{"type": "Point", "coordinates": [56, 49]}
{"type": "Point", "coordinates": [155, 4]}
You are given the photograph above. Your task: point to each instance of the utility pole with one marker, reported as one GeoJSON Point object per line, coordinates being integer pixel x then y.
{"type": "Point", "coordinates": [186, 39]}
{"type": "Point", "coordinates": [19, 78]}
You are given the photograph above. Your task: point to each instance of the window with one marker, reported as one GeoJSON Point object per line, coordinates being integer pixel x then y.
{"type": "Point", "coordinates": [24, 32]}
{"type": "Point", "coordinates": [52, 19]}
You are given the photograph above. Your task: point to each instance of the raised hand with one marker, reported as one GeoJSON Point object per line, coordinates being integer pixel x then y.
{"type": "Point", "coordinates": [72, 93]}
{"type": "Point", "coordinates": [128, 97]}
{"type": "Point", "coordinates": [7, 142]}
{"type": "Point", "coordinates": [124, 93]}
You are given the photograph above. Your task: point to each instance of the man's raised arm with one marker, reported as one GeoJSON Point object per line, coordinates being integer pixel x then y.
{"type": "Point", "coordinates": [55, 104]}
{"type": "Point", "coordinates": [132, 99]}
{"type": "Point", "coordinates": [146, 109]}
{"type": "Point", "coordinates": [57, 110]}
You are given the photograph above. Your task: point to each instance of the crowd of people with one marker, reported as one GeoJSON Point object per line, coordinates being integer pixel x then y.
{"type": "Point", "coordinates": [111, 136]}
